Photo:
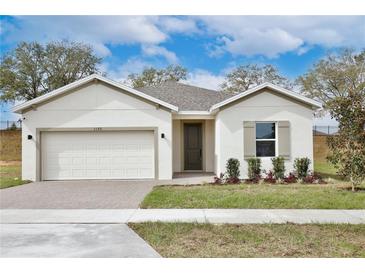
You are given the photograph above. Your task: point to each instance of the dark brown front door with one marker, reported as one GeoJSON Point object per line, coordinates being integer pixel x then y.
{"type": "Point", "coordinates": [193, 146]}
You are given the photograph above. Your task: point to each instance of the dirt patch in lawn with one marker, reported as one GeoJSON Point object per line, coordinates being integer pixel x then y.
{"type": "Point", "coordinates": [10, 145]}
{"type": "Point", "coordinates": [10, 163]}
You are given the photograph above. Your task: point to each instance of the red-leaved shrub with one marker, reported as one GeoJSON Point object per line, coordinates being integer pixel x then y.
{"type": "Point", "coordinates": [232, 180]}
{"type": "Point", "coordinates": [219, 180]}
{"type": "Point", "coordinates": [270, 178]}
{"type": "Point", "coordinates": [313, 178]}
{"type": "Point", "coordinates": [290, 179]}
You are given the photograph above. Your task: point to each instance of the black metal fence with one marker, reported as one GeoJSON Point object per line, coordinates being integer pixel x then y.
{"type": "Point", "coordinates": [325, 130]}
{"type": "Point", "coordinates": [11, 125]}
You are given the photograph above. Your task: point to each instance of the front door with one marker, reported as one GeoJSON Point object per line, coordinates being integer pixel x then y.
{"type": "Point", "coordinates": [193, 146]}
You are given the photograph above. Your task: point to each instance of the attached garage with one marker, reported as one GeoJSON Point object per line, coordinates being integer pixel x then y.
{"type": "Point", "coordinates": [124, 154]}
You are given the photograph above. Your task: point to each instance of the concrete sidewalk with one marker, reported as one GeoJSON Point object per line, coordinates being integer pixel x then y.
{"type": "Point", "coordinates": [219, 216]}
{"type": "Point", "coordinates": [72, 241]}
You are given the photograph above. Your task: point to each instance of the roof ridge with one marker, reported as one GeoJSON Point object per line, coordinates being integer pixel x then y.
{"type": "Point", "coordinates": [189, 85]}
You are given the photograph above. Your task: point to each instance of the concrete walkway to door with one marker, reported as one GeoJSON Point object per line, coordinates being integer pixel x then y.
{"type": "Point", "coordinates": [218, 216]}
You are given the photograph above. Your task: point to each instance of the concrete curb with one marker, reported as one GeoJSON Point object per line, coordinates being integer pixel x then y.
{"type": "Point", "coordinates": [215, 216]}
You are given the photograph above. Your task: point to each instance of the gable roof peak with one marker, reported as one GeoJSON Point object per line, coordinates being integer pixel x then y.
{"type": "Point", "coordinates": [45, 97]}
{"type": "Point", "coordinates": [284, 91]}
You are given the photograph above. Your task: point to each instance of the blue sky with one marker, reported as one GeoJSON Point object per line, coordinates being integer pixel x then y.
{"type": "Point", "coordinates": [208, 46]}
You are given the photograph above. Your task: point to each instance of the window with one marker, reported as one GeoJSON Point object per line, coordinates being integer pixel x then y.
{"type": "Point", "coordinates": [265, 139]}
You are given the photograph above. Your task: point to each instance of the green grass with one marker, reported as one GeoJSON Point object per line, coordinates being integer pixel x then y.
{"type": "Point", "coordinates": [335, 195]}
{"type": "Point", "coordinates": [261, 240]}
{"type": "Point", "coordinates": [326, 170]}
{"type": "Point", "coordinates": [10, 175]}
{"type": "Point", "coordinates": [331, 196]}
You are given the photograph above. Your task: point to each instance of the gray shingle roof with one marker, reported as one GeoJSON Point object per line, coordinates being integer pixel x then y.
{"type": "Point", "coordinates": [185, 97]}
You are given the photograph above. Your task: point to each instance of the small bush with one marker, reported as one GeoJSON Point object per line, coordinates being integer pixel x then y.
{"type": "Point", "coordinates": [220, 179]}
{"type": "Point", "coordinates": [270, 178]}
{"type": "Point", "coordinates": [254, 168]}
{"type": "Point", "coordinates": [278, 164]}
{"type": "Point", "coordinates": [301, 166]}
{"type": "Point", "coordinates": [313, 178]}
{"type": "Point", "coordinates": [290, 179]}
{"type": "Point", "coordinates": [232, 180]}
{"type": "Point", "coordinates": [233, 168]}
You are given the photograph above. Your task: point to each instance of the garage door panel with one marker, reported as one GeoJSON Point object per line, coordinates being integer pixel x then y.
{"type": "Point", "coordinates": [98, 155]}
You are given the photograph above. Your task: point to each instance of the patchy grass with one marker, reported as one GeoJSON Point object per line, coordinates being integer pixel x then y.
{"type": "Point", "coordinates": [261, 240]}
{"type": "Point", "coordinates": [326, 170]}
{"type": "Point", "coordinates": [10, 174]}
{"type": "Point", "coordinates": [330, 196]}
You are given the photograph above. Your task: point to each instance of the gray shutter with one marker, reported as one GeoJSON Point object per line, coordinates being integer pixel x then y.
{"type": "Point", "coordinates": [249, 139]}
{"type": "Point", "coordinates": [284, 139]}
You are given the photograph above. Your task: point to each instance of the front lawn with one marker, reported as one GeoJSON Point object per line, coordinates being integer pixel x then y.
{"type": "Point", "coordinates": [10, 174]}
{"type": "Point", "coordinates": [330, 196]}
{"type": "Point", "coordinates": [326, 170]}
{"type": "Point", "coordinates": [263, 240]}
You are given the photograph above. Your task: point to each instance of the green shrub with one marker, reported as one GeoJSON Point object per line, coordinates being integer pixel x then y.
{"type": "Point", "coordinates": [254, 168]}
{"type": "Point", "coordinates": [301, 166]}
{"type": "Point", "coordinates": [278, 167]}
{"type": "Point", "coordinates": [233, 168]}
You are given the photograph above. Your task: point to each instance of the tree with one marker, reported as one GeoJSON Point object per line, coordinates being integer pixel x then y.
{"type": "Point", "coordinates": [335, 76]}
{"type": "Point", "coordinates": [338, 80]}
{"type": "Point", "coordinates": [348, 146]}
{"type": "Point", "coordinates": [67, 62]}
{"type": "Point", "coordinates": [13, 126]}
{"type": "Point", "coordinates": [248, 76]}
{"type": "Point", "coordinates": [32, 69]}
{"type": "Point", "coordinates": [152, 76]}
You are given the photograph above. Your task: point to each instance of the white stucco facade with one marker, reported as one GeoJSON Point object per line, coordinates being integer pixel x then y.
{"type": "Point", "coordinates": [99, 105]}
{"type": "Point", "coordinates": [262, 106]}
{"type": "Point", "coordinates": [92, 107]}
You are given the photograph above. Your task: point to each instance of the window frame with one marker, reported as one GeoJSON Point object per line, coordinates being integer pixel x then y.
{"type": "Point", "coordinates": [275, 139]}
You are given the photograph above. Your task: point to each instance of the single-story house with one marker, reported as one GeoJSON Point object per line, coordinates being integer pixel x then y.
{"type": "Point", "coordinates": [96, 128]}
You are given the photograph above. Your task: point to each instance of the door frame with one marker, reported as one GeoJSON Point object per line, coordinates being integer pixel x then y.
{"type": "Point", "coordinates": [39, 131]}
{"type": "Point", "coordinates": [183, 123]}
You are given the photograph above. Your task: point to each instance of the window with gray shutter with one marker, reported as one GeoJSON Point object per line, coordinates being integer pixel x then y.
{"type": "Point", "coordinates": [284, 139]}
{"type": "Point", "coordinates": [249, 137]}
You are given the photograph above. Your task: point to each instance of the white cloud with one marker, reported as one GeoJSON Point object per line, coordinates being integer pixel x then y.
{"type": "Point", "coordinates": [153, 50]}
{"type": "Point", "coordinates": [304, 49]}
{"type": "Point", "coordinates": [120, 73]}
{"type": "Point", "coordinates": [204, 79]}
{"type": "Point", "coordinates": [99, 31]}
{"type": "Point", "coordinates": [280, 41]}
{"type": "Point", "coordinates": [178, 25]}
{"type": "Point", "coordinates": [274, 35]}
{"type": "Point", "coordinates": [239, 35]}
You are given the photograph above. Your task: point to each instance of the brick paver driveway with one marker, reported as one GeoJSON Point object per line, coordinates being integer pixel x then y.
{"type": "Point", "coordinates": [76, 195]}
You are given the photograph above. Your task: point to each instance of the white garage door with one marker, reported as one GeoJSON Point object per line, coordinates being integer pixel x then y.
{"type": "Point", "coordinates": [98, 155]}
